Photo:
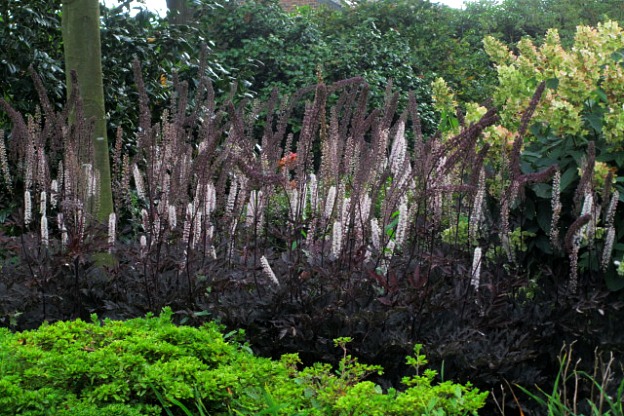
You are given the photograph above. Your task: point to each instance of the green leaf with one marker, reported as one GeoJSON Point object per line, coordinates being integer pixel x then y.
{"type": "Point", "coordinates": [569, 176]}
{"type": "Point", "coordinates": [595, 119]}
{"type": "Point", "coordinates": [390, 227]}
{"type": "Point", "coordinates": [601, 94]}
{"type": "Point", "coordinates": [552, 83]}
{"type": "Point", "coordinates": [542, 242]}
{"type": "Point", "coordinates": [532, 154]}
{"type": "Point", "coordinates": [542, 190]}
{"type": "Point", "coordinates": [618, 55]}
{"type": "Point", "coordinates": [544, 218]}
{"type": "Point", "coordinates": [614, 282]}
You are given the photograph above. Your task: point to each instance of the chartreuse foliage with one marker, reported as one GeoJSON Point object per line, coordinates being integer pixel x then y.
{"type": "Point", "coordinates": [582, 103]}
{"type": "Point", "coordinates": [581, 107]}
{"type": "Point", "coordinates": [585, 82]}
{"type": "Point", "coordinates": [138, 366]}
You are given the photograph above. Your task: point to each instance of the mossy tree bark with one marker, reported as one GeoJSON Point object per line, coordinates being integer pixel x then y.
{"type": "Point", "coordinates": [83, 53]}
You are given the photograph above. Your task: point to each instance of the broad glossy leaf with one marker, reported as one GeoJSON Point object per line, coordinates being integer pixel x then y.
{"type": "Point", "coordinates": [569, 176]}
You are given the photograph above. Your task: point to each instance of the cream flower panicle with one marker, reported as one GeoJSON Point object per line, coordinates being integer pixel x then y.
{"type": "Point", "coordinates": [112, 225]}
{"type": "Point", "coordinates": [27, 208]}
{"type": "Point", "coordinates": [44, 231]}
{"type": "Point", "coordinates": [336, 246]}
{"type": "Point", "coordinates": [329, 202]}
{"type": "Point", "coordinates": [266, 268]}
{"type": "Point", "coordinates": [475, 277]}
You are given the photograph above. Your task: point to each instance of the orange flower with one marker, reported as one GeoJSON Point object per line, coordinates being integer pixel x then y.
{"type": "Point", "coordinates": [288, 161]}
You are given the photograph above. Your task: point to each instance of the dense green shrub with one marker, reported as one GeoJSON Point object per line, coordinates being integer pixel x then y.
{"type": "Point", "coordinates": [166, 51]}
{"type": "Point", "coordinates": [265, 46]}
{"type": "Point", "coordinates": [30, 34]}
{"type": "Point", "coordinates": [256, 44]}
{"type": "Point", "coordinates": [438, 37]}
{"type": "Point", "coordinates": [138, 366]}
{"type": "Point", "coordinates": [512, 20]}
{"type": "Point", "coordinates": [268, 48]}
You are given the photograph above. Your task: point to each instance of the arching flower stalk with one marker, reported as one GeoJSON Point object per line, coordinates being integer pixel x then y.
{"type": "Point", "coordinates": [232, 239]}
{"type": "Point", "coordinates": [172, 216]}
{"type": "Point", "coordinates": [345, 217]}
{"type": "Point", "coordinates": [477, 210]}
{"type": "Point", "coordinates": [336, 246]}
{"type": "Point", "coordinates": [112, 225]}
{"type": "Point", "coordinates": [91, 180]}
{"type": "Point", "coordinates": [188, 220]}
{"type": "Point", "coordinates": [44, 231]}
{"type": "Point", "coordinates": [573, 281]}
{"type": "Point", "coordinates": [313, 191]}
{"type": "Point", "coordinates": [475, 277]}
{"type": "Point", "coordinates": [253, 208]}
{"type": "Point", "coordinates": [402, 224]}
{"type": "Point", "coordinates": [572, 245]}
{"type": "Point", "coordinates": [54, 189]}
{"type": "Point", "coordinates": [61, 226]}
{"type": "Point", "coordinates": [388, 252]}
{"type": "Point", "coordinates": [4, 163]}
{"type": "Point", "coordinates": [610, 214]}
{"type": "Point", "coordinates": [197, 228]}
{"type": "Point", "coordinates": [27, 208]}
{"type": "Point", "coordinates": [143, 246]}
{"type": "Point", "coordinates": [365, 208]}
{"type": "Point", "coordinates": [145, 220]}
{"type": "Point", "coordinates": [268, 272]}
{"type": "Point", "coordinates": [310, 236]}
{"type": "Point", "coordinates": [229, 207]}
{"type": "Point", "coordinates": [588, 231]}
{"type": "Point", "coordinates": [608, 249]}
{"type": "Point", "coordinates": [555, 203]}
{"type": "Point", "coordinates": [125, 177]}
{"type": "Point", "coordinates": [399, 151]}
{"type": "Point", "coordinates": [508, 200]}
{"type": "Point", "coordinates": [375, 234]}
{"type": "Point", "coordinates": [210, 198]}
{"type": "Point", "coordinates": [138, 181]}
{"type": "Point", "coordinates": [362, 211]}
{"type": "Point", "coordinates": [329, 202]}
{"type": "Point", "coordinates": [293, 200]}
{"type": "Point", "coordinates": [43, 202]}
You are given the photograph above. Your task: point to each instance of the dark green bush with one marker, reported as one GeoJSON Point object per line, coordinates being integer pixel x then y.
{"type": "Point", "coordinates": [138, 366]}
{"type": "Point", "coordinates": [30, 34]}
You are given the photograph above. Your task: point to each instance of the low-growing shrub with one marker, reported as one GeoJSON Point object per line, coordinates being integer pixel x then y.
{"type": "Point", "coordinates": [147, 366]}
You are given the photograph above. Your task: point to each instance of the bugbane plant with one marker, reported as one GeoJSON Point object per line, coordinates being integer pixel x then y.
{"type": "Point", "coordinates": [347, 220]}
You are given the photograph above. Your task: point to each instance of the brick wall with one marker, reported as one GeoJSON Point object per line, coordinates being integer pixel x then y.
{"type": "Point", "coordinates": [289, 5]}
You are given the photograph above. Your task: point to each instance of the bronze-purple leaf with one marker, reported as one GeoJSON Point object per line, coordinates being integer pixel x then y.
{"type": "Point", "coordinates": [416, 279]}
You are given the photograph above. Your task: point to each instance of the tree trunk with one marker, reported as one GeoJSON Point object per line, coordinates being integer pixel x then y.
{"type": "Point", "coordinates": [180, 12]}
{"type": "Point", "coordinates": [82, 48]}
